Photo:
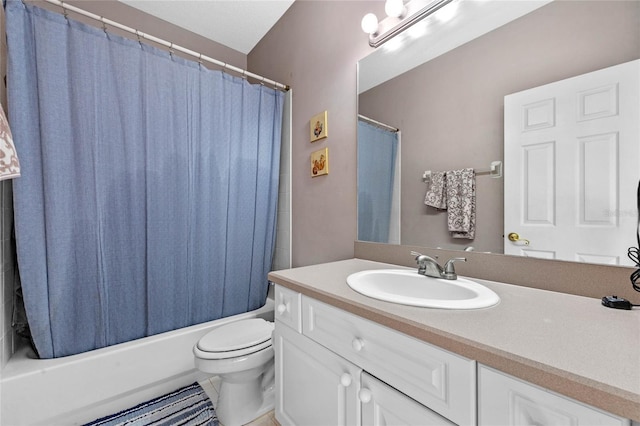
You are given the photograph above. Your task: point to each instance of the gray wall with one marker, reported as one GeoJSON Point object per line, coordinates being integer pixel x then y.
{"type": "Point", "coordinates": [314, 48]}
{"type": "Point", "coordinates": [450, 110]}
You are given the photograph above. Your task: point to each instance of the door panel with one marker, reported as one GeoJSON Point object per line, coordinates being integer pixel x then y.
{"type": "Point", "coordinates": [572, 164]}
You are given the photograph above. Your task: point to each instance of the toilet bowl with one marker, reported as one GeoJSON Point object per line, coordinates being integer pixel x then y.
{"type": "Point", "coordinates": [241, 354]}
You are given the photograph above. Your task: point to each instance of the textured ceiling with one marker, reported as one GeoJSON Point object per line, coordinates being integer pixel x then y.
{"type": "Point", "coordinates": [238, 24]}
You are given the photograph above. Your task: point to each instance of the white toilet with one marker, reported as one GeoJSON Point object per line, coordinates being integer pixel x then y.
{"type": "Point", "coordinates": [242, 355]}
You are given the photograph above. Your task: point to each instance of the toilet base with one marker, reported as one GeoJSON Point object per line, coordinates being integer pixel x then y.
{"type": "Point", "coordinates": [245, 397]}
{"type": "Point", "coordinates": [268, 404]}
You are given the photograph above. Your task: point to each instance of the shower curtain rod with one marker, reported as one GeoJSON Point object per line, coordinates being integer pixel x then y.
{"type": "Point", "coordinates": [377, 123]}
{"type": "Point", "coordinates": [165, 43]}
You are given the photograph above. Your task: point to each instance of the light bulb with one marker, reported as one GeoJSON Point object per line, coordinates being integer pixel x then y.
{"type": "Point", "coordinates": [369, 23]}
{"type": "Point", "coordinates": [394, 8]}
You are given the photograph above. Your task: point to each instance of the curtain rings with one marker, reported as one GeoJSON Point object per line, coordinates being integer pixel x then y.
{"type": "Point", "coordinates": [139, 38]}
{"type": "Point", "coordinates": [65, 12]}
{"type": "Point", "coordinates": [104, 25]}
{"type": "Point", "coordinates": [171, 50]}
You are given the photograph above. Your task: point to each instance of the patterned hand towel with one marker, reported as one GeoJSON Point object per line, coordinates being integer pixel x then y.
{"type": "Point", "coordinates": [9, 164]}
{"type": "Point", "coordinates": [436, 194]}
{"type": "Point", "coordinates": [461, 203]}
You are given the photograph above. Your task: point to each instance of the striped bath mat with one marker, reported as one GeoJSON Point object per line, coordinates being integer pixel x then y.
{"type": "Point", "coordinates": [188, 406]}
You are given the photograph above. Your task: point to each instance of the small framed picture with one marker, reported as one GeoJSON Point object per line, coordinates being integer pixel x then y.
{"type": "Point", "coordinates": [318, 127]}
{"type": "Point", "coordinates": [320, 162]}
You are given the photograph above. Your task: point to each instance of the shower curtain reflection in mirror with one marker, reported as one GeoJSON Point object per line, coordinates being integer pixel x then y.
{"type": "Point", "coordinates": [149, 189]}
{"type": "Point", "coordinates": [378, 183]}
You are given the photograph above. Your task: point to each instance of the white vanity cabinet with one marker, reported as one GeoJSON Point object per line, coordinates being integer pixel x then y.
{"type": "Point", "coordinates": [314, 386]}
{"type": "Point", "coordinates": [343, 369]}
{"type": "Point", "coordinates": [506, 400]}
{"type": "Point", "coordinates": [351, 360]}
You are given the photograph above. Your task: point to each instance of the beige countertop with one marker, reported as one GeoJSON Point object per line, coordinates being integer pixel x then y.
{"type": "Point", "coordinates": [566, 343]}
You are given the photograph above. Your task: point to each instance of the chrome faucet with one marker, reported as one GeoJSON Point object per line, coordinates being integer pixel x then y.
{"type": "Point", "coordinates": [429, 267]}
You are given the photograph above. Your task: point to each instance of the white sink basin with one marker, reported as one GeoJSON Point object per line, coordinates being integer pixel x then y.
{"type": "Point", "coordinates": [407, 287]}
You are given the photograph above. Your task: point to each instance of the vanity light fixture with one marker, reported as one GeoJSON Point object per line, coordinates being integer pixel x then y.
{"type": "Point", "coordinates": [400, 16]}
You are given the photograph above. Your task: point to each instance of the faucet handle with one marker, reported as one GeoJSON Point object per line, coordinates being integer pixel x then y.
{"type": "Point", "coordinates": [449, 270]}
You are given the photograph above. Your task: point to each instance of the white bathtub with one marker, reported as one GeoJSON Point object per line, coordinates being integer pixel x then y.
{"type": "Point", "coordinates": [80, 388]}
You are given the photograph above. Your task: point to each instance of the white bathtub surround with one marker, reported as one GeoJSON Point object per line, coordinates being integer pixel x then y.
{"type": "Point", "coordinates": [282, 253]}
{"type": "Point", "coordinates": [83, 387]}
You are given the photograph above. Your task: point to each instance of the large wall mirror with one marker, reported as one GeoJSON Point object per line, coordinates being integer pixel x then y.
{"type": "Point", "coordinates": [449, 107]}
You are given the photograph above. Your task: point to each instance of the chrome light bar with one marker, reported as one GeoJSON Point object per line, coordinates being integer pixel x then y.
{"type": "Point", "coordinates": [416, 11]}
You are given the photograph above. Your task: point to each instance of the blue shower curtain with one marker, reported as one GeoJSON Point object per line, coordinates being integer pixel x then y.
{"type": "Point", "coordinates": [377, 150]}
{"type": "Point", "coordinates": [149, 188]}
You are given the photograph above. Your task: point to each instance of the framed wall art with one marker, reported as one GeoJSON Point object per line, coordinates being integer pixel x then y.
{"type": "Point", "coordinates": [318, 127]}
{"type": "Point", "coordinates": [320, 162]}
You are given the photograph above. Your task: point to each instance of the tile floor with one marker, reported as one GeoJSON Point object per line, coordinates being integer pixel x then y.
{"type": "Point", "coordinates": [211, 387]}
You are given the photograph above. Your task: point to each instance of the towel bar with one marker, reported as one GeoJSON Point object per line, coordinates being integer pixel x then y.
{"type": "Point", "coordinates": [494, 170]}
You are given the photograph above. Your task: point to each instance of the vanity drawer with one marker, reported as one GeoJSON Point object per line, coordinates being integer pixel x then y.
{"type": "Point", "coordinates": [441, 380]}
{"type": "Point", "coordinates": [287, 307]}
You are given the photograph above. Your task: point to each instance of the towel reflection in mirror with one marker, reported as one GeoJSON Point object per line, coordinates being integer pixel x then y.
{"type": "Point", "coordinates": [455, 192]}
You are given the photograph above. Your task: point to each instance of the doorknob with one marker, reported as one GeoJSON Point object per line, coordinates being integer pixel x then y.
{"type": "Point", "coordinates": [516, 238]}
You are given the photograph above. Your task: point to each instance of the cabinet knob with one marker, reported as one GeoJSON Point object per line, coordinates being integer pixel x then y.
{"type": "Point", "coordinates": [364, 395]}
{"type": "Point", "coordinates": [282, 308]}
{"type": "Point", "coordinates": [345, 380]}
{"type": "Point", "coordinates": [357, 344]}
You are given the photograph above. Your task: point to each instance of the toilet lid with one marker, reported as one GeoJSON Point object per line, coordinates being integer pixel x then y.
{"type": "Point", "coordinates": [238, 335]}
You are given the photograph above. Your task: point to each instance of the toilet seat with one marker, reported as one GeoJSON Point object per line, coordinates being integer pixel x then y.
{"type": "Point", "coordinates": [239, 338]}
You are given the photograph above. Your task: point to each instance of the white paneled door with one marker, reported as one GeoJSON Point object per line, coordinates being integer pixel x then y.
{"type": "Point", "coordinates": [572, 164]}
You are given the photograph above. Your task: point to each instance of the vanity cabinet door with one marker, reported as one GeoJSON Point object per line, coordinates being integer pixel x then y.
{"type": "Point", "coordinates": [314, 386]}
{"type": "Point", "coordinates": [441, 380]}
{"type": "Point", "coordinates": [383, 405]}
{"type": "Point", "coordinates": [505, 400]}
